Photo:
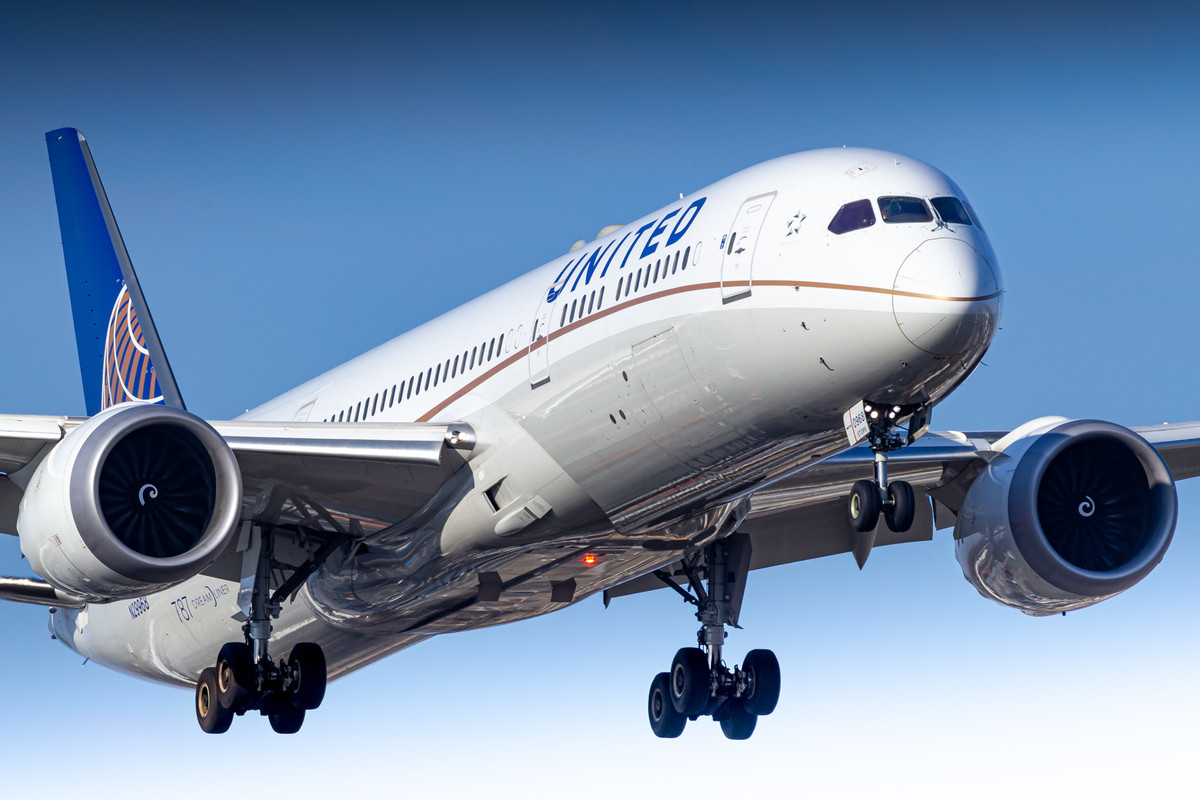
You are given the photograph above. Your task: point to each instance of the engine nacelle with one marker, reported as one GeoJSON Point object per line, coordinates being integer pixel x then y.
{"type": "Point", "coordinates": [134, 500]}
{"type": "Point", "coordinates": [1069, 514]}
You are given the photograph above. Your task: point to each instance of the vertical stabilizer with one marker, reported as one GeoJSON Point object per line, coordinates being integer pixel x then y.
{"type": "Point", "coordinates": [120, 355]}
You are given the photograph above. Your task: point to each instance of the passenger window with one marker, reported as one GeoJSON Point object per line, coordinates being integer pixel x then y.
{"type": "Point", "coordinates": [852, 217]}
{"type": "Point", "coordinates": [951, 210]}
{"type": "Point", "coordinates": [686, 253]}
{"type": "Point", "coordinates": [620, 281]}
{"type": "Point", "coordinates": [500, 347]}
{"type": "Point", "coordinates": [895, 209]}
{"type": "Point", "coordinates": [600, 301]}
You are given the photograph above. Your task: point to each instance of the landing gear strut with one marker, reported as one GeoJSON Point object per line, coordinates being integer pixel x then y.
{"type": "Point", "coordinates": [245, 678]}
{"type": "Point", "coordinates": [895, 500]}
{"type": "Point", "coordinates": [699, 683]}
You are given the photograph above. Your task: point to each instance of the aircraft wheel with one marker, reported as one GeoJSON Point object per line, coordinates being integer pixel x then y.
{"type": "Point", "coordinates": [212, 716]}
{"type": "Point", "coordinates": [235, 676]}
{"type": "Point", "coordinates": [762, 673]}
{"type": "Point", "coordinates": [864, 506]}
{"type": "Point", "coordinates": [307, 663]}
{"type": "Point", "coordinates": [286, 718]}
{"type": "Point", "coordinates": [665, 721]}
{"type": "Point", "coordinates": [903, 508]}
{"type": "Point", "coordinates": [689, 682]}
{"type": "Point", "coordinates": [739, 723]}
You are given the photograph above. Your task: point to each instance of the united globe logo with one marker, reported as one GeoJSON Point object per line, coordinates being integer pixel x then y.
{"type": "Point", "coordinates": [128, 373]}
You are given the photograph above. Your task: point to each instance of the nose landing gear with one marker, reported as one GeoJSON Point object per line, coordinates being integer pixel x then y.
{"type": "Point", "coordinates": [699, 683]}
{"type": "Point", "coordinates": [895, 500]}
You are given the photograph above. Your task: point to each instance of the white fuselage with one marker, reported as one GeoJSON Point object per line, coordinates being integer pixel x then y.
{"type": "Point", "coordinates": [635, 387]}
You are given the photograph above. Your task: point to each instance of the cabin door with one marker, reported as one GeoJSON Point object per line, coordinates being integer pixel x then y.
{"type": "Point", "coordinates": [738, 254]}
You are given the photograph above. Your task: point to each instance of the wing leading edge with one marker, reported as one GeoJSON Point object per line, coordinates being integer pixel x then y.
{"type": "Point", "coordinates": [803, 516]}
{"type": "Point", "coordinates": [379, 473]}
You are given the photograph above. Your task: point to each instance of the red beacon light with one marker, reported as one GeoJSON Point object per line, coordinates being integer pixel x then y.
{"type": "Point", "coordinates": [590, 560]}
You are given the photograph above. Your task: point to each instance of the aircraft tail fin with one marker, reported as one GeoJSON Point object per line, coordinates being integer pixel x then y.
{"type": "Point", "coordinates": [120, 355]}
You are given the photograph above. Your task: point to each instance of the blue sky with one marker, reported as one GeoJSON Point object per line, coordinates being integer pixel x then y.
{"type": "Point", "coordinates": [298, 184]}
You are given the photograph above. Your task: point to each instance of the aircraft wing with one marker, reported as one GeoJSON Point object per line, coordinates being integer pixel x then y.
{"type": "Point", "coordinates": [803, 516]}
{"type": "Point", "coordinates": [318, 475]}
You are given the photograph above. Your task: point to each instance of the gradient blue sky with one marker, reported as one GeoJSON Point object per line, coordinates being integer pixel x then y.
{"type": "Point", "coordinates": [298, 184]}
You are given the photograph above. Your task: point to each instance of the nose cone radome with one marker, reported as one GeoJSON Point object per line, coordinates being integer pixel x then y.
{"type": "Point", "coordinates": [947, 298]}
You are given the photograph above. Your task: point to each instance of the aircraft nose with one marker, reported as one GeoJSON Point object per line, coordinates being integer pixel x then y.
{"type": "Point", "coordinates": [946, 298]}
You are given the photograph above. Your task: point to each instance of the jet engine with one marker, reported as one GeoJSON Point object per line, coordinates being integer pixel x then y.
{"type": "Point", "coordinates": [1069, 513]}
{"type": "Point", "coordinates": [137, 498]}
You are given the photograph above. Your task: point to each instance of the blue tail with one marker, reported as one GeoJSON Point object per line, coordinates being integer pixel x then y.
{"type": "Point", "coordinates": [120, 355]}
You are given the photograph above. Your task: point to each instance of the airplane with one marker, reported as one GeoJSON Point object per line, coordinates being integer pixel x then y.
{"type": "Point", "coordinates": [741, 379]}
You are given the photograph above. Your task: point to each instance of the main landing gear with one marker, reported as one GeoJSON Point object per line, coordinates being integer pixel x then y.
{"type": "Point", "coordinates": [699, 683]}
{"type": "Point", "coordinates": [245, 678]}
{"type": "Point", "coordinates": [868, 498]}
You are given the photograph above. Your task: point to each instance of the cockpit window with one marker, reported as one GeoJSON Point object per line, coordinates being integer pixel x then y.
{"type": "Point", "coordinates": [852, 217]}
{"type": "Point", "coordinates": [951, 210]}
{"type": "Point", "coordinates": [974, 215]}
{"type": "Point", "coordinates": [904, 209]}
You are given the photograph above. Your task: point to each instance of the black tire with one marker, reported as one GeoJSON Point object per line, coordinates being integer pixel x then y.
{"type": "Point", "coordinates": [235, 676]}
{"type": "Point", "coordinates": [286, 718]}
{"type": "Point", "coordinates": [739, 723]}
{"type": "Point", "coordinates": [762, 690]}
{"type": "Point", "coordinates": [212, 716]}
{"type": "Point", "coordinates": [864, 506]}
{"type": "Point", "coordinates": [665, 721]}
{"type": "Point", "coordinates": [689, 682]}
{"type": "Point", "coordinates": [903, 508]}
{"type": "Point", "coordinates": [307, 663]}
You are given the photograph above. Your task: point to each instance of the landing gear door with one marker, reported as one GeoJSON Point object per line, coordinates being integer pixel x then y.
{"type": "Point", "coordinates": [739, 246]}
